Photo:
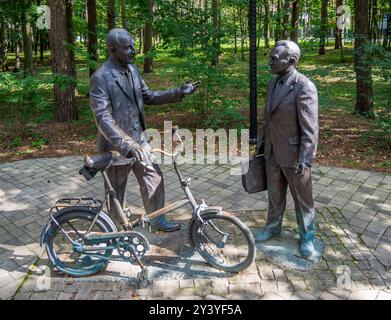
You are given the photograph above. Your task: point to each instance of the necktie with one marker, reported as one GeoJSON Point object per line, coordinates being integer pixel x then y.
{"type": "Point", "coordinates": [276, 91]}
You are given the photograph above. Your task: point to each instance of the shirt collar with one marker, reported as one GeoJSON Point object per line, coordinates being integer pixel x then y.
{"type": "Point", "coordinates": [120, 68]}
{"type": "Point", "coordinates": [283, 78]}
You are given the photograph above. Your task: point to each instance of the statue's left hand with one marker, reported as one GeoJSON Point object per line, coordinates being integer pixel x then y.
{"type": "Point", "coordinates": [189, 87]}
{"type": "Point", "coordinates": [302, 168]}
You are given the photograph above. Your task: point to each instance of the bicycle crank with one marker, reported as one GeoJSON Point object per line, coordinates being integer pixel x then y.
{"type": "Point", "coordinates": [133, 246]}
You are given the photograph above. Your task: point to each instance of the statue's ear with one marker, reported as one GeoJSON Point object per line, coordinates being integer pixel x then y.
{"type": "Point", "coordinates": [292, 60]}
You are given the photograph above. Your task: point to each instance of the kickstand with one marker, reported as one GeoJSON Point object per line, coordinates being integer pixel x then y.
{"type": "Point", "coordinates": [142, 278]}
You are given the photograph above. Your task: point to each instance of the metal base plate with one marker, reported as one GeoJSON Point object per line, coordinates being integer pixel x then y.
{"type": "Point", "coordinates": [284, 251]}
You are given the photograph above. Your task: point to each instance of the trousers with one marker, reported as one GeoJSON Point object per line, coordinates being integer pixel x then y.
{"type": "Point", "coordinates": [300, 186]}
{"type": "Point", "coordinates": [151, 184]}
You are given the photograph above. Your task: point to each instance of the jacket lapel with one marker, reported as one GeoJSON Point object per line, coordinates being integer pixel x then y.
{"type": "Point", "coordinates": [137, 97]}
{"type": "Point", "coordinates": [136, 84]}
{"type": "Point", "coordinates": [288, 86]}
{"type": "Point", "coordinates": [117, 78]}
{"type": "Point", "coordinates": [269, 93]}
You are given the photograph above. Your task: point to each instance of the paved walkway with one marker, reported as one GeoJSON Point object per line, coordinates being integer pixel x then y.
{"type": "Point", "coordinates": [354, 214]}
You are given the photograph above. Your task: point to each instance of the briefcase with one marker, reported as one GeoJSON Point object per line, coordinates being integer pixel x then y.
{"type": "Point", "coordinates": [254, 174]}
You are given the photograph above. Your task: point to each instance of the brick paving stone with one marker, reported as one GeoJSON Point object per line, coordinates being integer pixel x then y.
{"type": "Point", "coordinates": [236, 280]}
{"type": "Point", "coordinates": [269, 286]}
{"type": "Point", "coordinates": [22, 296]}
{"type": "Point", "coordinates": [266, 273]}
{"type": "Point", "coordinates": [284, 286]}
{"type": "Point", "coordinates": [271, 296]}
{"type": "Point", "coordinates": [250, 278]}
{"type": "Point", "coordinates": [383, 295]}
{"type": "Point", "coordinates": [186, 283]}
{"type": "Point", "coordinates": [334, 295]}
{"type": "Point", "coordinates": [188, 291]}
{"type": "Point", "coordinates": [364, 295]}
{"type": "Point", "coordinates": [279, 275]}
{"type": "Point", "coordinates": [214, 297]}
{"type": "Point", "coordinates": [240, 296]}
{"type": "Point", "coordinates": [66, 296]}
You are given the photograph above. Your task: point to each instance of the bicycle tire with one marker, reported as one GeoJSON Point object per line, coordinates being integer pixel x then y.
{"type": "Point", "coordinates": [53, 256]}
{"type": "Point", "coordinates": [198, 240]}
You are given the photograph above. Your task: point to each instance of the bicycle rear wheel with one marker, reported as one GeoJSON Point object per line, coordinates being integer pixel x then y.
{"type": "Point", "coordinates": [60, 250]}
{"type": "Point", "coordinates": [223, 241]}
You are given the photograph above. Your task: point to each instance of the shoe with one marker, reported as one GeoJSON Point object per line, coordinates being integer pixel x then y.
{"type": "Point", "coordinates": [307, 248]}
{"type": "Point", "coordinates": [265, 235]}
{"type": "Point", "coordinates": [162, 224]}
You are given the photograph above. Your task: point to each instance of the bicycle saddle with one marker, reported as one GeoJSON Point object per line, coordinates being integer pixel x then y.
{"type": "Point", "coordinates": [92, 165]}
{"type": "Point", "coordinates": [99, 162]}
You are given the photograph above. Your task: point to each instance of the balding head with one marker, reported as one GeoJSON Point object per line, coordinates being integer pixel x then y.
{"type": "Point", "coordinates": [121, 46]}
{"type": "Point", "coordinates": [291, 48]}
{"type": "Point", "coordinates": [284, 57]}
{"type": "Point", "coordinates": [116, 37]}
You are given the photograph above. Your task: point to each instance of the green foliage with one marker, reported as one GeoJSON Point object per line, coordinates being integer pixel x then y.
{"type": "Point", "coordinates": [16, 142]}
{"type": "Point", "coordinates": [39, 143]}
{"type": "Point", "coordinates": [211, 100]}
{"type": "Point", "coordinates": [381, 59]}
{"type": "Point", "coordinates": [24, 94]}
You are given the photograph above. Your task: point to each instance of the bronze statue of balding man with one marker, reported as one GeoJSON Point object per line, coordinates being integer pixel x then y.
{"type": "Point", "coordinates": [289, 141]}
{"type": "Point", "coordinates": [117, 97]}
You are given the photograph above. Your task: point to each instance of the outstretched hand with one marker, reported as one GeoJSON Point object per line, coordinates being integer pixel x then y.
{"type": "Point", "coordinates": [189, 87]}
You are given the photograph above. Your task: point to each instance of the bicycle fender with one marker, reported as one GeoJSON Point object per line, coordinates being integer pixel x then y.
{"type": "Point", "coordinates": [46, 229]}
{"type": "Point", "coordinates": [192, 221]}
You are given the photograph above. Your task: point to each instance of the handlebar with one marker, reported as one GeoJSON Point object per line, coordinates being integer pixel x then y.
{"type": "Point", "coordinates": [100, 162]}
{"type": "Point", "coordinates": [178, 151]}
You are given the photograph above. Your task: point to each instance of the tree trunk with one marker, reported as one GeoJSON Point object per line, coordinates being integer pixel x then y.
{"type": "Point", "coordinates": [140, 41]}
{"type": "Point", "coordinates": [36, 41]}
{"type": "Point", "coordinates": [374, 34]}
{"type": "Point", "coordinates": [27, 43]}
{"type": "Point", "coordinates": [285, 20]}
{"type": "Point", "coordinates": [323, 27]}
{"type": "Point", "coordinates": [338, 32]}
{"type": "Point", "coordinates": [64, 84]}
{"type": "Point", "coordinates": [92, 36]}
{"type": "Point", "coordinates": [111, 14]}
{"type": "Point", "coordinates": [148, 68]}
{"type": "Point", "coordinates": [387, 36]}
{"type": "Point", "coordinates": [259, 26]}
{"type": "Point", "coordinates": [277, 28]}
{"type": "Point", "coordinates": [362, 56]}
{"type": "Point", "coordinates": [294, 22]}
{"type": "Point", "coordinates": [42, 39]}
{"type": "Point", "coordinates": [17, 49]}
{"type": "Point", "coordinates": [216, 32]}
{"type": "Point", "coordinates": [266, 24]}
{"type": "Point", "coordinates": [3, 47]}
{"type": "Point", "coordinates": [70, 37]}
{"type": "Point", "coordinates": [123, 15]}
{"type": "Point", "coordinates": [235, 33]}
{"type": "Point", "coordinates": [242, 35]}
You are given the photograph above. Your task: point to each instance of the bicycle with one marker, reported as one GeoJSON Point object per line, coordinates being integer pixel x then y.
{"type": "Point", "coordinates": [80, 237]}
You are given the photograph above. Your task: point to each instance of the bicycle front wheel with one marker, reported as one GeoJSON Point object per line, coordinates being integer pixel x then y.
{"type": "Point", "coordinates": [223, 241]}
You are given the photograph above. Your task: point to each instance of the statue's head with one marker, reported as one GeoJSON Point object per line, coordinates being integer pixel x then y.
{"type": "Point", "coordinates": [284, 57]}
{"type": "Point", "coordinates": [121, 46]}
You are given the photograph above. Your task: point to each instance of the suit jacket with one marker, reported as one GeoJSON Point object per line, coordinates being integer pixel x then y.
{"type": "Point", "coordinates": [114, 106]}
{"type": "Point", "coordinates": [291, 128]}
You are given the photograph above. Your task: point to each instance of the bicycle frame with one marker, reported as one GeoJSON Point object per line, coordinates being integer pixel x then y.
{"type": "Point", "coordinates": [110, 194]}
